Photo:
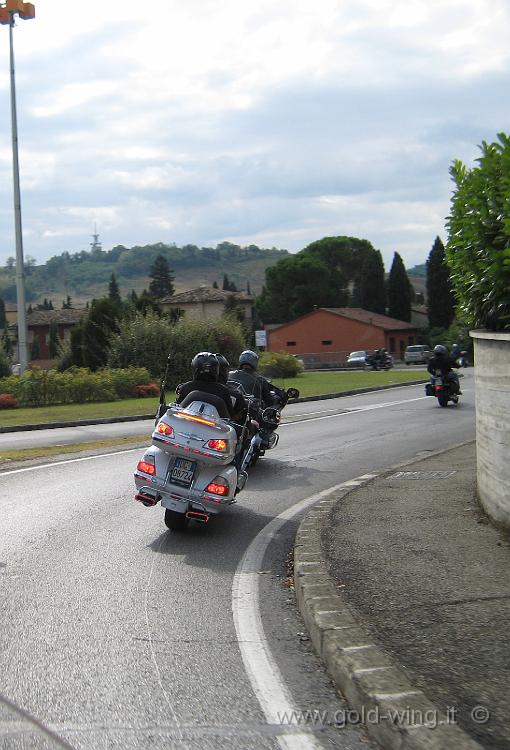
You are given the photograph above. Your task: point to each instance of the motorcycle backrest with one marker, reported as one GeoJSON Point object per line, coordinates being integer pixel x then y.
{"type": "Point", "coordinates": [204, 399]}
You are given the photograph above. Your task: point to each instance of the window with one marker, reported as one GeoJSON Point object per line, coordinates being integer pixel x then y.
{"type": "Point", "coordinates": [290, 343]}
{"type": "Point", "coordinates": [326, 343]}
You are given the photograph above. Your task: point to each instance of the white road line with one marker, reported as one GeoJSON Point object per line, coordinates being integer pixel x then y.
{"type": "Point", "coordinates": [263, 673]}
{"type": "Point", "coordinates": [356, 410]}
{"type": "Point", "coordinates": [68, 461]}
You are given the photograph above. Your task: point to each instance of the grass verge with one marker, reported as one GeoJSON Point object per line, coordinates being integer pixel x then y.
{"type": "Point", "coordinates": [9, 457]}
{"type": "Point", "coordinates": [309, 384]}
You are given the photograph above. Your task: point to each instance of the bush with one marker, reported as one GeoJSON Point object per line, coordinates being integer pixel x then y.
{"type": "Point", "coordinates": [76, 385]}
{"type": "Point", "coordinates": [150, 389]}
{"type": "Point", "coordinates": [7, 401]}
{"type": "Point", "coordinates": [5, 368]}
{"type": "Point", "coordinates": [280, 365]}
{"type": "Point", "coordinates": [142, 341]}
{"type": "Point", "coordinates": [478, 249]}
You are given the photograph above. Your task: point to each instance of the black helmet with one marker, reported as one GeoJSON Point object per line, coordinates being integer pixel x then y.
{"type": "Point", "coordinates": [205, 366]}
{"type": "Point", "coordinates": [224, 368]}
{"type": "Point", "coordinates": [440, 350]}
{"type": "Point", "coordinates": [249, 358]}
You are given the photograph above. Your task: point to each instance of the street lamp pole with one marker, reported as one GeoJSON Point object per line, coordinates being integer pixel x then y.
{"type": "Point", "coordinates": [7, 13]}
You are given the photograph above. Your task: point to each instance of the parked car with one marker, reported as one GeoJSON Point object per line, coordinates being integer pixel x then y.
{"type": "Point", "coordinates": [357, 359]}
{"type": "Point", "coordinates": [417, 355]}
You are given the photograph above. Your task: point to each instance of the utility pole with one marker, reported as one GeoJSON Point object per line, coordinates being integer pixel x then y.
{"type": "Point", "coordinates": [7, 13]}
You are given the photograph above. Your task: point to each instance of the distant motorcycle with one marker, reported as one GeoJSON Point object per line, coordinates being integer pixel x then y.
{"type": "Point", "coordinates": [442, 388]}
{"type": "Point", "coordinates": [374, 362]}
{"type": "Point", "coordinates": [463, 360]}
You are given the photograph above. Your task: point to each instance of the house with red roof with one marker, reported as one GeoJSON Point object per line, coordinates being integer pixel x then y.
{"type": "Point", "coordinates": [327, 335]}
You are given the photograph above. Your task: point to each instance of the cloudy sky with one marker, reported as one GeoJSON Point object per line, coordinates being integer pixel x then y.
{"type": "Point", "coordinates": [271, 122]}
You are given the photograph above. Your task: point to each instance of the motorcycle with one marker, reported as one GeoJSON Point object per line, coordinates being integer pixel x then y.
{"type": "Point", "coordinates": [463, 360]}
{"type": "Point", "coordinates": [190, 467]}
{"type": "Point", "coordinates": [267, 421]}
{"type": "Point", "coordinates": [442, 388]}
{"type": "Point", "coordinates": [377, 363]}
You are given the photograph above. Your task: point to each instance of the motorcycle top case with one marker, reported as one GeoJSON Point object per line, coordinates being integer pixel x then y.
{"type": "Point", "coordinates": [196, 432]}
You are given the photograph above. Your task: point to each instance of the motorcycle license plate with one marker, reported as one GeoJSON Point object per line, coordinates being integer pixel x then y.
{"type": "Point", "coordinates": [182, 472]}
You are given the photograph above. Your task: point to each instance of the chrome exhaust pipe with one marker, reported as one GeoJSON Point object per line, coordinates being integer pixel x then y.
{"type": "Point", "coordinates": [196, 515]}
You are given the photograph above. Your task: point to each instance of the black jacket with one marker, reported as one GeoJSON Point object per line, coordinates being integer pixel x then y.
{"type": "Point", "coordinates": [253, 384]}
{"type": "Point", "coordinates": [207, 386]}
{"type": "Point", "coordinates": [445, 364]}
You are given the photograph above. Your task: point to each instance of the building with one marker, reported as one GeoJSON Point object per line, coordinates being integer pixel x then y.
{"type": "Point", "coordinates": [38, 325]}
{"type": "Point", "coordinates": [11, 313]}
{"type": "Point", "coordinates": [207, 302]}
{"type": "Point", "coordinates": [327, 335]}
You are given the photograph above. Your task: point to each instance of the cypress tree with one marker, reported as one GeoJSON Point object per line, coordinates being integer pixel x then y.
{"type": "Point", "coordinates": [372, 287]}
{"type": "Point", "coordinates": [113, 289]}
{"type": "Point", "coordinates": [3, 319]}
{"type": "Point", "coordinates": [162, 278]}
{"type": "Point", "coordinates": [399, 291]}
{"type": "Point", "coordinates": [440, 299]}
{"type": "Point", "coordinates": [53, 340]}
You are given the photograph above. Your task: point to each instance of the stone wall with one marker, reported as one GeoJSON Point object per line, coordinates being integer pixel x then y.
{"type": "Point", "coordinates": [492, 380]}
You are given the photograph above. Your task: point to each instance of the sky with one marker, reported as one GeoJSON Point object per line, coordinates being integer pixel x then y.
{"type": "Point", "coordinates": [273, 123]}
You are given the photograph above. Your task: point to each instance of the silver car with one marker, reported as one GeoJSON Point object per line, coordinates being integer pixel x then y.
{"type": "Point", "coordinates": [357, 359]}
{"type": "Point", "coordinates": [417, 355]}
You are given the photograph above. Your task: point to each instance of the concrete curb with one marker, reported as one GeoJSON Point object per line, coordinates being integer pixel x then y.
{"type": "Point", "coordinates": [374, 685]}
{"type": "Point", "coordinates": [139, 417]}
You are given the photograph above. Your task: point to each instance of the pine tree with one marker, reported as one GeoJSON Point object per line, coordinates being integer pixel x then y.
{"type": "Point", "coordinates": [215, 285]}
{"type": "Point", "coordinates": [440, 299]}
{"type": "Point", "coordinates": [162, 278]}
{"type": "Point", "coordinates": [113, 289]}
{"type": "Point", "coordinates": [3, 319]}
{"type": "Point", "coordinates": [226, 283]}
{"type": "Point", "coordinates": [399, 291]}
{"type": "Point", "coordinates": [67, 304]}
{"type": "Point", "coordinates": [53, 340]}
{"type": "Point", "coordinates": [248, 289]}
{"type": "Point", "coordinates": [372, 286]}
{"type": "Point", "coordinates": [35, 349]}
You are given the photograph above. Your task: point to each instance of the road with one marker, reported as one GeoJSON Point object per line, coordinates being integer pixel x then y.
{"type": "Point", "coordinates": [118, 633]}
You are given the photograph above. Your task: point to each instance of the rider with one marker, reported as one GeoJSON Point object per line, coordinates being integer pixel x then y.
{"type": "Point", "coordinates": [442, 361]}
{"type": "Point", "coordinates": [455, 351]}
{"type": "Point", "coordinates": [239, 404]}
{"type": "Point", "coordinates": [252, 382]}
{"type": "Point", "coordinates": [205, 368]}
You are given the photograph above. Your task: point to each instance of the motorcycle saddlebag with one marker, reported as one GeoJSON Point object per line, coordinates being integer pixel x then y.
{"type": "Point", "coordinates": [429, 390]}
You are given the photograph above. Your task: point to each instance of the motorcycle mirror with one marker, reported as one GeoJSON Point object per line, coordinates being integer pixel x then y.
{"type": "Point", "coordinates": [292, 393]}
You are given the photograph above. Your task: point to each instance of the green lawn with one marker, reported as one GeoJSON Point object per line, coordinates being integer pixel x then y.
{"type": "Point", "coordinates": [309, 384]}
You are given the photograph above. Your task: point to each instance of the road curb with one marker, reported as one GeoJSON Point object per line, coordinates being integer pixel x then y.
{"type": "Point", "coordinates": [373, 683]}
{"type": "Point", "coordinates": [140, 417]}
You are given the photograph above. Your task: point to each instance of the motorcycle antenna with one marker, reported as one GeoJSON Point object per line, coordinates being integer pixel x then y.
{"type": "Point", "coordinates": [162, 387]}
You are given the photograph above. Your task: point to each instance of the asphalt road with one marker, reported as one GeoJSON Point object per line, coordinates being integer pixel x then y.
{"type": "Point", "coordinates": [115, 632]}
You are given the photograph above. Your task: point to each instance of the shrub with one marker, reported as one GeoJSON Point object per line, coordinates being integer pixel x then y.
{"type": "Point", "coordinates": [478, 249]}
{"type": "Point", "coordinates": [142, 341]}
{"type": "Point", "coordinates": [149, 389]}
{"type": "Point", "coordinates": [280, 365]}
{"type": "Point", "coordinates": [7, 401]}
{"type": "Point", "coordinates": [5, 368]}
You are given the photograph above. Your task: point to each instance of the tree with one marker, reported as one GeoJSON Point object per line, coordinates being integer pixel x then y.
{"type": "Point", "coordinates": [372, 288]}
{"type": "Point", "coordinates": [248, 288]}
{"type": "Point", "coordinates": [53, 340]}
{"type": "Point", "coordinates": [228, 286]}
{"type": "Point", "coordinates": [478, 248]}
{"type": "Point", "coordinates": [67, 304]}
{"type": "Point", "coordinates": [3, 319]}
{"type": "Point", "coordinates": [162, 278]}
{"type": "Point", "coordinates": [215, 285]}
{"type": "Point", "coordinates": [7, 345]}
{"type": "Point", "coordinates": [113, 289]}
{"type": "Point", "coordinates": [99, 326]}
{"type": "Point", "coordinates": [440, 299]}
{"type": "Point", "coordinates": [399, 291]}
{"type": "Point", "coordinates": [295, 285]}
{"type": "Point", "coordinates": [35, 349]}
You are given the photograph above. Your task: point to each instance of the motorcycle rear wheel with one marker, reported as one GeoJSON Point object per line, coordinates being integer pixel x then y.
{"type": "Point", "coordinates": [175, 521]}
{"type": "Point", "coordinates": [443, 399]}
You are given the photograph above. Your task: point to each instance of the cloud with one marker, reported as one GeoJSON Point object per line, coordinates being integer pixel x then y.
{"type": "Point", "coordinates": [273, 123]}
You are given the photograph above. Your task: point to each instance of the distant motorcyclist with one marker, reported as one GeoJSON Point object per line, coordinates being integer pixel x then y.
{"type": "Point", "coordinates": [253, 383]}
{"type": "Point", "coordinates": [205, 368]}
{"type": "Point", "coordinates": [455, 351]}
{"type": "Point", "coordinates": [443, 362]}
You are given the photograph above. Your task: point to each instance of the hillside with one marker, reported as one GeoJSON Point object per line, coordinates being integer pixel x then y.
{"type": "Point", "coordinates": [85, 275]}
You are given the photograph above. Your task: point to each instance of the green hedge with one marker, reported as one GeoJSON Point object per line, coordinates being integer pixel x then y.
{"type": "Point", "coordinates": [76, 385]}
{"type": "Point", "coordinates": [280, 365]}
